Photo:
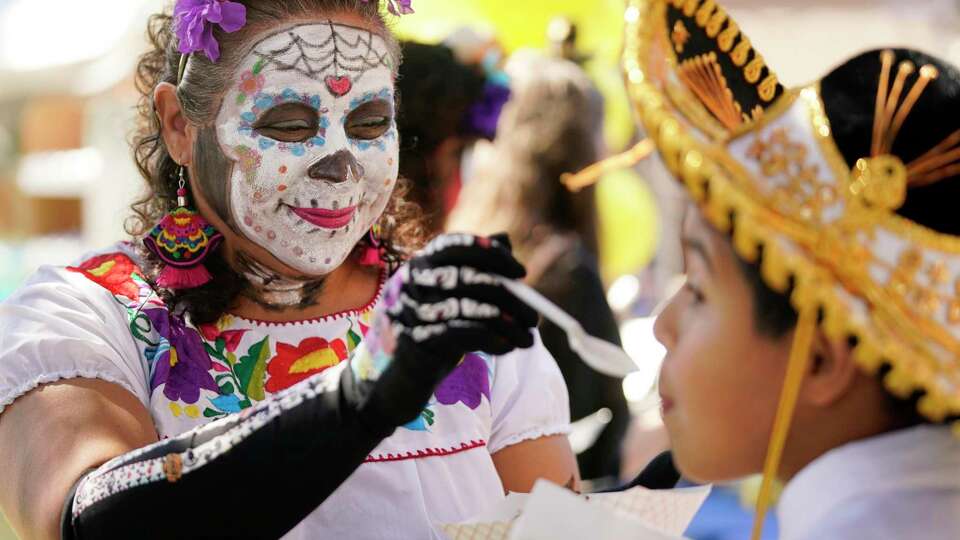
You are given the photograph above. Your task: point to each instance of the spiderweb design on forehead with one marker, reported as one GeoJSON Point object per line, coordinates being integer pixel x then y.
{"type": "Point", "coordinates": [316, 60]}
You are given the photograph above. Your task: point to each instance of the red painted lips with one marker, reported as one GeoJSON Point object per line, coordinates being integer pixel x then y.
{"type": "Point", "coordinates": [328, 219]}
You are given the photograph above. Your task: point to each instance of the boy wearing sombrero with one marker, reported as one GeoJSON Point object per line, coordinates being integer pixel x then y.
{"type": "Point", "coordinates": [817, 339]}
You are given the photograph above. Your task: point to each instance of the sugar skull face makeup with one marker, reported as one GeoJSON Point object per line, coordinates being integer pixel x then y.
{"type": "Point", "coordinates": [309, 126]}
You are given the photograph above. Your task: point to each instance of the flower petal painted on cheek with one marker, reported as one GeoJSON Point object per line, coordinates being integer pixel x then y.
{"type": "Point", "coordinates": [250, 84]}
{"type": "Point", "coordinates": [263, 102]}
{"type": "Point", "coordinates": [249, 161]}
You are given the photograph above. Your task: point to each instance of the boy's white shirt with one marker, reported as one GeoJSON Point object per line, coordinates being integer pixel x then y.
{"type": "Point", "coordinates": [904, 484]}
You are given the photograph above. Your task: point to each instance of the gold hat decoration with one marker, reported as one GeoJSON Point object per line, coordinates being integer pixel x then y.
{"type": "Point", "coordinates": [761, 162]}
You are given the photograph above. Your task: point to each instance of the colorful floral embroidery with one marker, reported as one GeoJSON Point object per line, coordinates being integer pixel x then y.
{"type": "Point", "coordinates": [422, 422]}
{"type": "Point", "coordinates": [219, 330]}
{"type": "Point", "coordinates": [184, 361]}
{"type": "Point", "coordinates": [179, 361]}
{"type": "Point", "coordinates": [293, 364]}
{"type": "Point", "coordinates": [114, 272]}
{"type": "Point", "coordinates": [240, 381]}
{"type": "Point", "coordinates": [176, 356]}
{"type": "Point", "coordinates": [467, 383]}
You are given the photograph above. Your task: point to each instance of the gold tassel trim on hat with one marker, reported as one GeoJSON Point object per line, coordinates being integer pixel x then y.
{"type": "Point", "coordinates": [796, 368]}
{"type": "Point", "coordinates": [941, 161]}
{"type": "Point", "coordinates": [590, 175]}
{"type": "Point", "coordinates": [703, 76]}
{"type": "Point", "coordinates": [883, 172]}
{"type": "Point", "coordinates": [889, 113]}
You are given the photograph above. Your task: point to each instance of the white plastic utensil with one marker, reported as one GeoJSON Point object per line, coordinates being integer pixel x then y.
{"type": "Point", "coordinates": [601, 355]}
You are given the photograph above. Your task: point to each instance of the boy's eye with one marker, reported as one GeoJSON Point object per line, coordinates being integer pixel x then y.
{"type": "Point", "coordinates": [694, 291]}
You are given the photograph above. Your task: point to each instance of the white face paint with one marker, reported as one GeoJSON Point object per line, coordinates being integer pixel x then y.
{"type": "Point", "coordinates": [309, 123]}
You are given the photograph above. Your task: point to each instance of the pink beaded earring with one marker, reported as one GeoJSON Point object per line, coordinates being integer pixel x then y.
{"type": "Point", "coordinates": [370, 256]}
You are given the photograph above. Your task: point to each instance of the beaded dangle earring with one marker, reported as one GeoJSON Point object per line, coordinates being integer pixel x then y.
{"type": "Point", "coordinates": [370, 256]}
{"type": "Point", "coordinates": [182, 240]}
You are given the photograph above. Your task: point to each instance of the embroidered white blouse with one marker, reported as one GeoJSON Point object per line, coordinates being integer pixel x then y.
{"type": "Point", "coordinates": [100, 319]}
{"type": "Point", "coordinates": [904, 484]}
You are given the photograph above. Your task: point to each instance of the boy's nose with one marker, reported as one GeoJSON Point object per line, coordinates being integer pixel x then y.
{"type": "Point", "coordinates": [664, 328]}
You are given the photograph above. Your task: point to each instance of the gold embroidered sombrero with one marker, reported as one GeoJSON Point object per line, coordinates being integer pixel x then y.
{"type": "Point", "coordinates": [766, 166]}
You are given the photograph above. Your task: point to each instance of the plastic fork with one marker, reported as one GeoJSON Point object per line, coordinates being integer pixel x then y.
{"type": "Point", "coordinates": [600, 355]}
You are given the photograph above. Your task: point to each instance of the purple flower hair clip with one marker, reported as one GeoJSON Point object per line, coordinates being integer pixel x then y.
{"type": "Point", "coordinates": [194, 20]}
{"type": "Point", "coordinates": [399, 7]}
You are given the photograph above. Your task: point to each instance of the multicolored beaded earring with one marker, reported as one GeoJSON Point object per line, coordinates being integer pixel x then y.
{"type": "Point", "coordinates": [370, 256]}
{"type": "Point", "coordinates": [182, 240]}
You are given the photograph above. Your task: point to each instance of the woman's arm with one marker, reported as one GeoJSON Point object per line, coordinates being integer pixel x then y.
{"type": "Point", "coordinates": [310, 437]}
{"type": "Point", "coordinates": [51, 436]}
{"type": "Point", "coordinates": [550, 458]}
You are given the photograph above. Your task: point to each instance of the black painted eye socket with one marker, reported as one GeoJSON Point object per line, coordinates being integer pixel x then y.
{"type": "Point", "coordinates": [370, 120]}
{"type": "Point", "coordinates": [288, 122]}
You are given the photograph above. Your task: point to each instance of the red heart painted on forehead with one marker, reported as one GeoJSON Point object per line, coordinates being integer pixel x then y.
{"type": "Point", "coordinates": [338, 86]}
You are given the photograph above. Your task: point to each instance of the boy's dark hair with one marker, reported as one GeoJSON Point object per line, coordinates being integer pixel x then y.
{"type": "Point", "coordinates": [849, 94]}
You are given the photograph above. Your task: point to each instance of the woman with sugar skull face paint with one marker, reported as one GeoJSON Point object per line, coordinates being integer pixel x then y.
{"type": "Point", "coordinates": [277, 357]}
{"type": "Point", "coordinates": [314, 148]}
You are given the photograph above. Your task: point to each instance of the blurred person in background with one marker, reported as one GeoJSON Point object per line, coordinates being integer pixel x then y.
{"type": "Point", "coordinates": [207, 361]}
{"type": "Point", "coordinates": [552, 125]}
{"type": "Point", "coordinates": [445, 107]}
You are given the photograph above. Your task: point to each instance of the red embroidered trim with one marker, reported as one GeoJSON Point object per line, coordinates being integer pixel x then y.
{"type": "Point", "coordinates": [426, 452]}
{"type": "Point", "coordinates": [333, 316]}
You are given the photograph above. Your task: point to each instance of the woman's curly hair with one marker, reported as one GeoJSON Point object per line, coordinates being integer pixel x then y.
{"type": "Point", "coordinates": [199, 93]}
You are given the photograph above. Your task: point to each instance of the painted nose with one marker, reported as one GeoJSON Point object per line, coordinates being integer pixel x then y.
{"type": "Point", "coordinates": [337, 167]}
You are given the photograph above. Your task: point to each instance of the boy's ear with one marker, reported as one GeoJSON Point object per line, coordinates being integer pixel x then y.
{"type": "Point", "coordinates": [832, 372]}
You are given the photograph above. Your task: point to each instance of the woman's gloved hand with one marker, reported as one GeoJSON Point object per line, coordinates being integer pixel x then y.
{"type": "Point", "coordinates": [445, 302]}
